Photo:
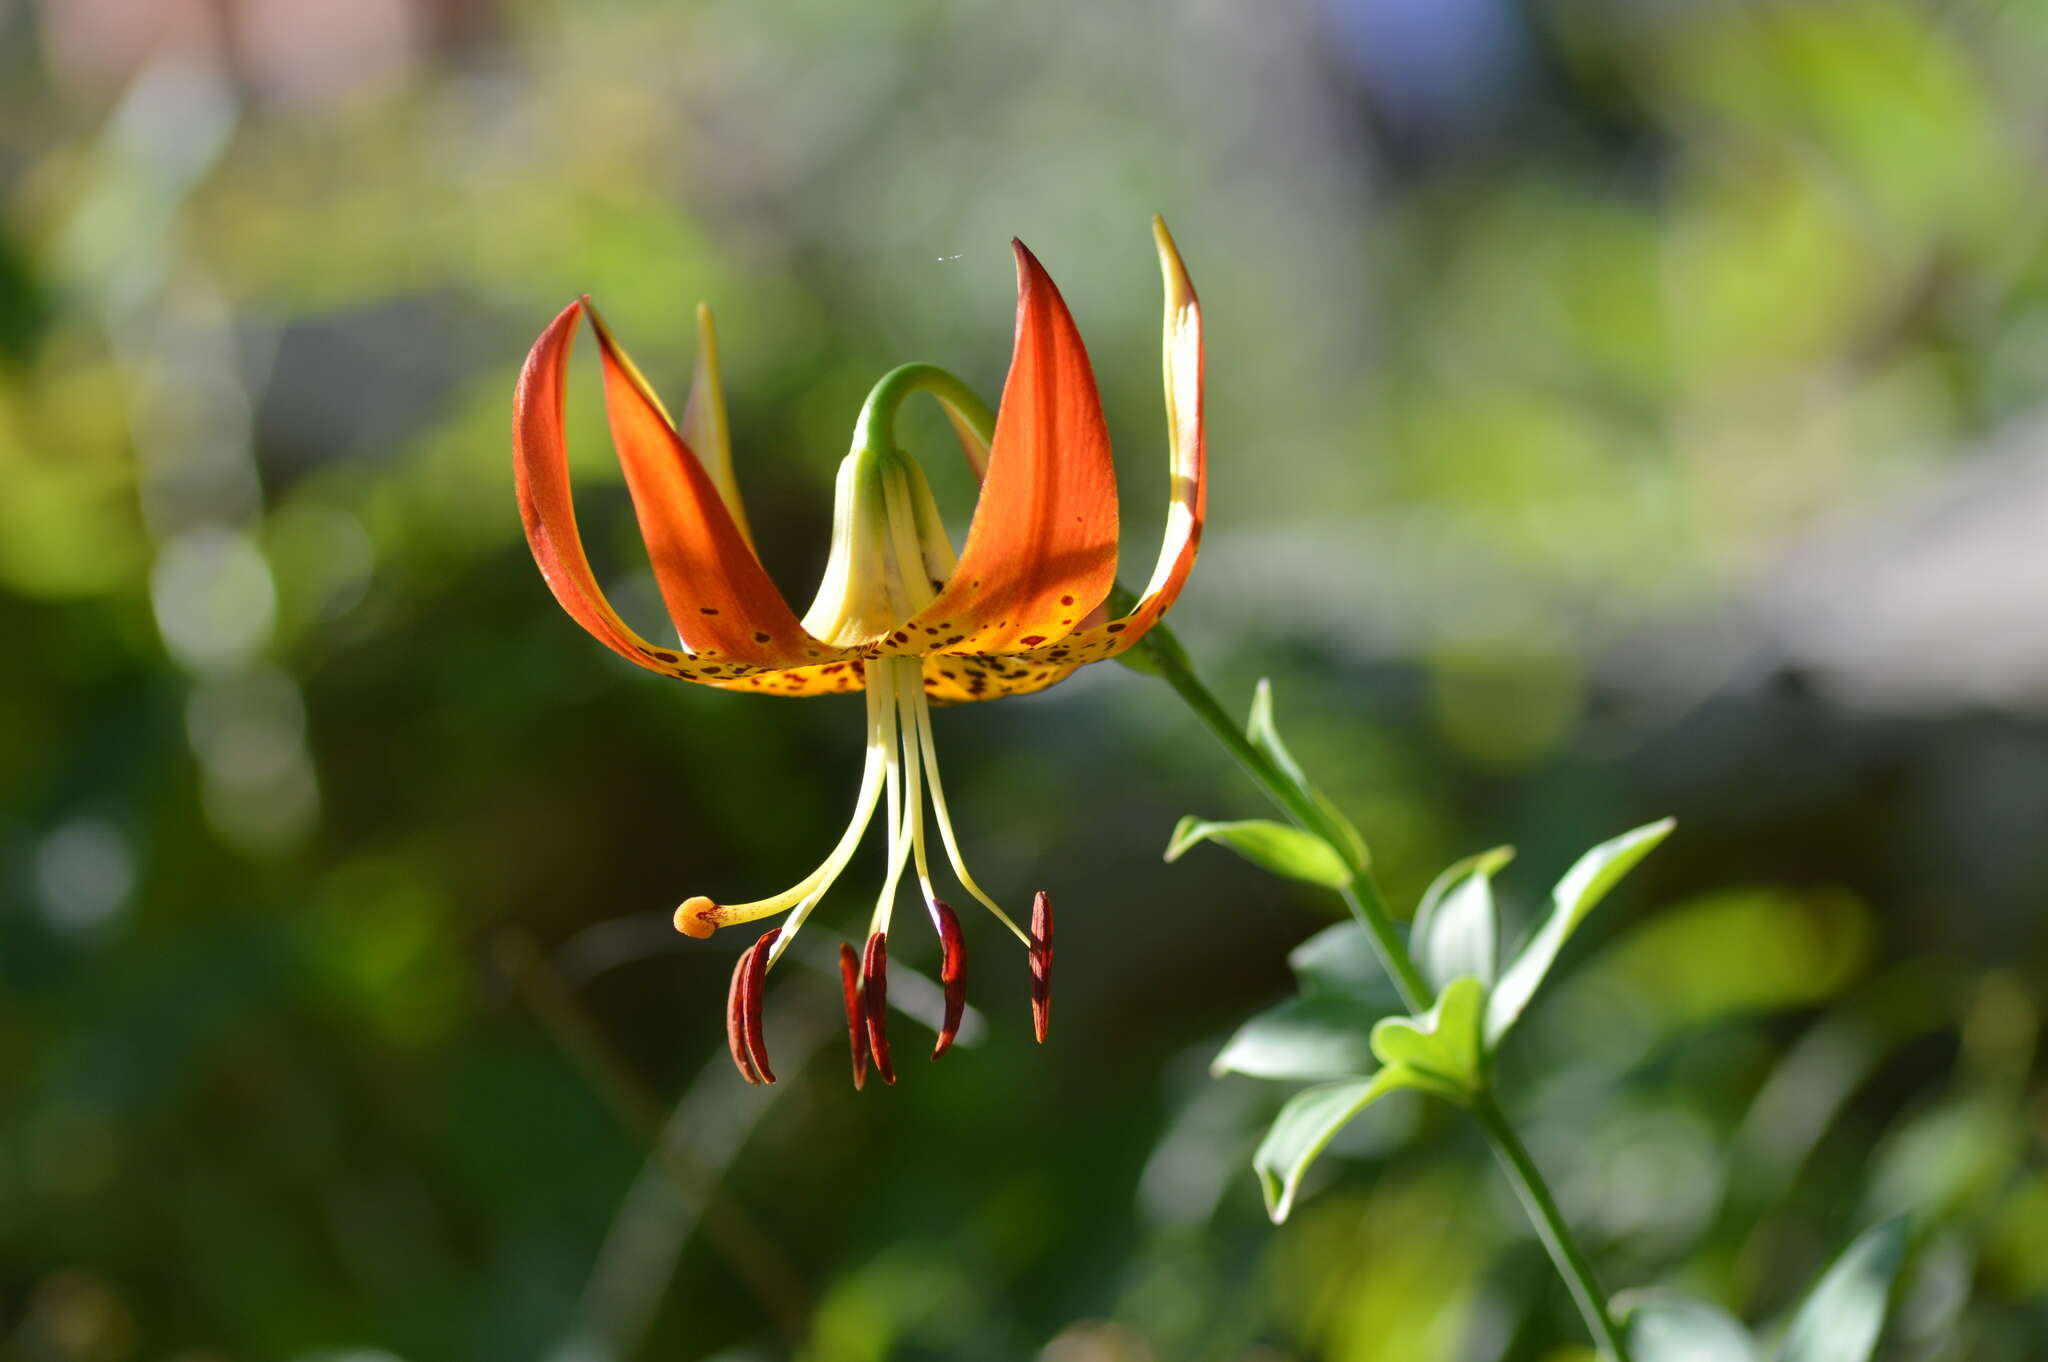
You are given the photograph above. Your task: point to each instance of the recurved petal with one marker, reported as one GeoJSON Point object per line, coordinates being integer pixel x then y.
{"type": "Point", "coordinates": [1041, 549]}
{"type": "Point", "coordinates": [1182, 361]}
{"type": "Point", "coordinates": [704, 429]}
{"type": "Point", "coordinates": [962, 678]}
{"type": "Point", "coordinates": [540, 474]}
{"type": "Point", "coordinates": [720, 599]}
{"type": "Point", "coordinates": [831, 678]}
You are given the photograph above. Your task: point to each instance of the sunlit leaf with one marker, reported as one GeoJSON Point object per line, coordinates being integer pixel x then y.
{"type": "Point", "coordinates": [1666, 1327]}
{"type": "Point", "coordinates": [1456, 930]}
{"type": "Point", "coordinates": [1583, 886]}
{"type": "Point", "coordinates": [1265, 735]}
{"type": "Point", "coordinates": [1442, 1047]}
{"type": "Point", "coordinates": [1276, 847]}
{"type": "Point", "coordinates": [1315, 1036]}
{"type": "Point", "coordinates": [1844, 1313]}
{"type": "Point", "coordinates": [1341, 960]}
{"type": "Point", "coordinates": [1305, 1126]}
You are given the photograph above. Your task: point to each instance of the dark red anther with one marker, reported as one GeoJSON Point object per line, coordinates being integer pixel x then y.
{"type": "Point", "coordinates": [952, 973]}
{"type": "Point", "coordinates": [874, 1000]}
{"type": "Point", "coordinates": [736, 1018]}
{"type": "Point", "coordinates": [1041, 964]}
{"type": "Point", "coordinates": [754, 978]}
{"type": "Point", "coordinates": [856, 1020]}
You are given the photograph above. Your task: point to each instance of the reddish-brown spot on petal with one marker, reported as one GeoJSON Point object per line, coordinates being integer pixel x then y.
{"type": "Point", "coordinates": [952, 973]}
{"type": "Point", "coordinates": [874, 999]}
{"type": "Point", "coordinates": [1066, 600]}
{"type": "Point", "coordinates": [1041, 964]}
{"type": "Point", "coordinates": [856, 1022]}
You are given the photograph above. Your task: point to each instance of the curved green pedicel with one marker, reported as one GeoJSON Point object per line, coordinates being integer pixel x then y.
{"type": "Point", "coordinates": [876, 428]}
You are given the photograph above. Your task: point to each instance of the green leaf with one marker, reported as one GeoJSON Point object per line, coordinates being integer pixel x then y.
{"type": "Point", "coordinates": [1316, 1036]}
{"type": "Point", "coordinates": [1844, 1313]}
{"type": "Point", "coordinates": [1441, 1048]}
{"type": "Point", "coordinates": [1340, 960]}
{"type": "Point", "coordinates": [1456, 930]}
{"type": "Point", "coordinates": [1271, 846]}
{"type": "Point", "coordinates": [1667, 1327]}
{"type": "Point", "coordinates": [1305, 1127]}
{"type": "Point", "coordinates": [1583, 886]}
{"type": "Point", "coordinates": [1264, 734]}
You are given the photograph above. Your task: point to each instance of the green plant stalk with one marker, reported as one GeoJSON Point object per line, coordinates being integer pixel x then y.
{"type": "Point", "coordinates": [1165, 658]}
{"type": "Point", "coordinates": [1362, 896]}
{"type": "Point", "coordinates": [1550, 1225]}
{"type": "Point", "coordinates": [1161, 654]}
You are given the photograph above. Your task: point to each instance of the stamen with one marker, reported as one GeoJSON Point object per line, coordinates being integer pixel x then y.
{"type": "Point", "coordinates": [899, 830]}
{"type": "Point", "coordinates": [874, 997]}
{"type": "Point", "coordinates": [700, 916]}
{"type": "Point", "coordinates": [1041, 964]}
{"type": "Point", "coordinates": [736, 1019]}
{"type": "Point", "coordinates": [743, 1031]}
{"type": "Point", "coordinates": [952, 973]}
{"type": "Point", "coordinates": [944, 817]}
{"type": "Point", "coordinates": [856, 1021]}
{"type": "Point", "coordinates": [908, 697]}
{"type": "Point", "coordinates": [753, 975]}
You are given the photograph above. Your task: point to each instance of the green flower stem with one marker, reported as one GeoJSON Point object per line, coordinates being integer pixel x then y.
{"type": "Point", "coordinates": [1550, 1225]}
{"type": "Point", "coordinates": [1164, 657]}
{"type": "Point", "coordinates": [878, 413]}
{"type": "Point", "coordinates": [1362, 896]}
{"type": "Point", "coordinates": [1161, 654]}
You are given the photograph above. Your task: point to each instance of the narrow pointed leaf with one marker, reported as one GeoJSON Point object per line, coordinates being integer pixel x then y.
{"type": "Point", "coordinates": [1844, 1313]}
{"type": "Point", "coordinates": [1583, 886]}
{"type": "Point", "coordinates": [1311, 1037]}
{"type": "Point", "coordinates": [1340, 961]}
{"type": "Point", "coordinates": [1276, 847]}
{"type": "Point", "coordinates": [1305, 1127]}
{"type": "Point", "coordinates": [1457, 931]}
{"type": "Point", "coordinates": [1264, 734]}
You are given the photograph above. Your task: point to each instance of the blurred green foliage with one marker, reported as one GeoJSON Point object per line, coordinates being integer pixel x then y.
{"type": "Point", "coordinates": [339, 1012]}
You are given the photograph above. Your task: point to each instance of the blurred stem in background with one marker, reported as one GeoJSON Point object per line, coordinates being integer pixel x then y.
{"type": "Point", "coordinates": [1160, 654]}
{"type": "Point", "coordinates": [684, 1159]}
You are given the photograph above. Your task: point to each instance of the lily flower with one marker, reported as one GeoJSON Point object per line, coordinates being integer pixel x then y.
{"type": "Point", "coordinates": [898, 615]}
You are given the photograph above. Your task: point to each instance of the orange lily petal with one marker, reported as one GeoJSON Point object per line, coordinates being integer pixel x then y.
{"type": "Point", "coordinates": [540, 468]}
{"type": "Point", "coordinates": [1182, 361]}
{"type": "Point", "coordinates": [961, 678]}
{"type": "Point", "coordinates": [1041, 550]}
{"type": "Point", "coordinates": [831, 678]}
{"type": "Point", "coordinates": [719, 597]}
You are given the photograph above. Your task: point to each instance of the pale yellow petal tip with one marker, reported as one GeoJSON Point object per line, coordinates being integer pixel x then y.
{"type": "Point", "coordinates": [1180, 290]}
{"type": "Point", "coordinates": [698, 917]}
{"type": "Point", "coordinates": [706, 331]}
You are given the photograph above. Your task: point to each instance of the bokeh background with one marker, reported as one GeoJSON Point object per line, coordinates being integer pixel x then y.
{"type": "Point", "coordinates": [1617, 409]}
